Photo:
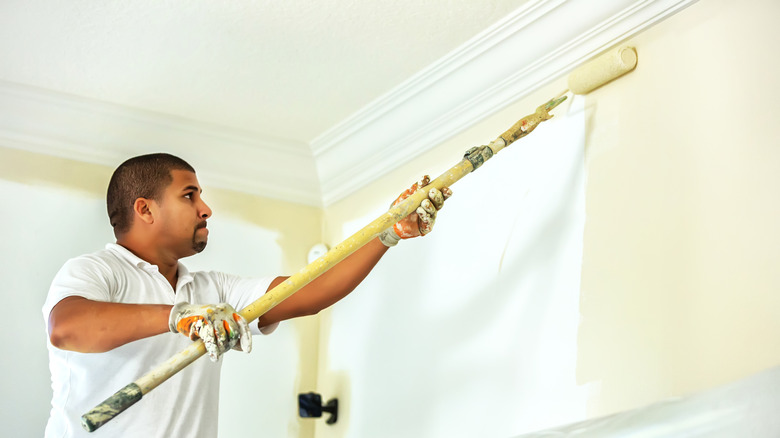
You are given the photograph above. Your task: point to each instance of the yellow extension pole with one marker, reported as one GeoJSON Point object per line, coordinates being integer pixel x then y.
{"type": "Point", "coordinates": [475, 157]}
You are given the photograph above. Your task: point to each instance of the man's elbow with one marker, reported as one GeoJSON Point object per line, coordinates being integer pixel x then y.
{"type": "Point", "coordinates": [59, 337]}
{"type": "Point", "coordinates": [65, 336]}
{"type": "Point", "coordinates": [287, 312]}
{"type": "Point", "coordinates": [64, 340]}
{"type": "Point", "coordinates": [55, 338]}
{"type": "Point", "coordinates": [311, 311]}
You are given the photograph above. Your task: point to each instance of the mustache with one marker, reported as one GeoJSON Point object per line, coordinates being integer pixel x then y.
{"type": "Point", "coordinates": [201, 225]}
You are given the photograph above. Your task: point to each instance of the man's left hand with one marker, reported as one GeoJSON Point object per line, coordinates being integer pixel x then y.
{"type": "Point", "coordinates": [421, 221]}
{"type": "Point", "coordinates": [218, 325]}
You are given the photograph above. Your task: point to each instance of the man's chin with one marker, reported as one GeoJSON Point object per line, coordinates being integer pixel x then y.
{"type": "Point", "coordinates": [198, 247]}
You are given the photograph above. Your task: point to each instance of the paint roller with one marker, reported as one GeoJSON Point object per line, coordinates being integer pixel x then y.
{"type": "Point", "coordinates": [601, 70]}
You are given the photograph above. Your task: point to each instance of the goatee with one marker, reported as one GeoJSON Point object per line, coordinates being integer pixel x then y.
{"type": "Point", "coordinates": [198, 247]}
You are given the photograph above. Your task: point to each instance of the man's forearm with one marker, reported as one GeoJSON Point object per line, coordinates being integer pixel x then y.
{"type": "Point", "coordinates": [328, 288]}
{"type": "Point", "coordinates": [88, 326]}
{"type": "Point", "coordinates": [345, 276]}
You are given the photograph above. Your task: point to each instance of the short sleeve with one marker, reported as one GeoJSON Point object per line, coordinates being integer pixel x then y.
{"type": "Point", "coordinates": [241, 292]}
{"type": "Point", "coordinates": [82, 277]}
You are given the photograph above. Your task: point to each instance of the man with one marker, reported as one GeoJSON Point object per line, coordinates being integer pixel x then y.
{"type": "Point", "coordinates": [109, 313]}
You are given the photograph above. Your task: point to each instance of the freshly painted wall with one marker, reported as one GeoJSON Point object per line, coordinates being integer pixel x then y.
{"type": "Point", "coordinates": [472, 330]}
{"type": "Point", "coordinates": [54, 209]}
{"type": "Point", "coordinates": [679, 261]}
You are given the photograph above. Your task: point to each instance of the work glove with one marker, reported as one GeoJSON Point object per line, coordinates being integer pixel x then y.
{"type": "Point", "coordinates": [421, 221]}
{"type": "Point", "coordinates": [220, 327]}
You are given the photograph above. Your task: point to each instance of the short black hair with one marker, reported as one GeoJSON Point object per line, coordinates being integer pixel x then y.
{"type": "Point", "coordinates": [144, 176]}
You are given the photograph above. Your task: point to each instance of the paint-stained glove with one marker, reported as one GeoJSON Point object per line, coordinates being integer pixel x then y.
{"type": "Point", "coordinates": [420, 222]}
{"type": "Point", "coordinates": [220, 327]}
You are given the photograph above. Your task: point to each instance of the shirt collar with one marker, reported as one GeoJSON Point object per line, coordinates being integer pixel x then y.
{"type": "Point", "coordinates": [184, 275]}
{"type": "Point", "coordinates": [129, 256]}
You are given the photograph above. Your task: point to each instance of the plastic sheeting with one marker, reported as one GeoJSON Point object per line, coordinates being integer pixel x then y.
{"type": "Point", "coordinates": [747, 408]}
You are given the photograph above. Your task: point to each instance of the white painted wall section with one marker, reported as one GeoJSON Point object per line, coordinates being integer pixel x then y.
{"type": "Point", "coordinates": [472, 331]}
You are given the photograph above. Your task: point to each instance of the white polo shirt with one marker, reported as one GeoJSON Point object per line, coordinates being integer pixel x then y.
{"type": "Point", "coordinates": [186, 405]}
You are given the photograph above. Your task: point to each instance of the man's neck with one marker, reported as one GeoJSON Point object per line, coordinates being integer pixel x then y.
{"type": "Point", "coordinates": [166, 263]}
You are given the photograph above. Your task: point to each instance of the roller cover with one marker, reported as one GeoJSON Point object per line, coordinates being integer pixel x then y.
{"type": "Point", "coordinates": [606, 67]}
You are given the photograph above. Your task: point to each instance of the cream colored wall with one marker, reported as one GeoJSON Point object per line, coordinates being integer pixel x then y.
{"type": "Point", "coordinates": [54, 209]}
{"type": "Point", "coordinates": [682, 244]}
{"type": "Point", "coordinates": [680, 258]}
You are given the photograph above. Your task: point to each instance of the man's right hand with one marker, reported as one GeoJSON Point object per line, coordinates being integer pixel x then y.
{"type": "Point", "coordinates": [220, 327]}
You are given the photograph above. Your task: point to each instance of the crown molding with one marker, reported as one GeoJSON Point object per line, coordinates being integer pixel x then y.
{"type": "Point", "coordinates": [82, 129]}
{"type": "Point", "coordinates": [538, 43]}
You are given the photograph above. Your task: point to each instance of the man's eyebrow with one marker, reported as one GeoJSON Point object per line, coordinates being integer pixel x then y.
{"type": "Point", "coordinates": [195, 188]}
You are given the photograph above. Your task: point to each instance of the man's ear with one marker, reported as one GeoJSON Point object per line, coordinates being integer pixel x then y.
{"type": "Point", "coordinates": [144, 210]}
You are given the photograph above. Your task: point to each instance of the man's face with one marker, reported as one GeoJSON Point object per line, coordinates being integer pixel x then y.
{"type": "Point", "coordinates": [182, 215]}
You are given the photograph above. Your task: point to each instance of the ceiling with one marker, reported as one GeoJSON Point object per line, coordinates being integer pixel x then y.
{"type": "Point", "coordinates": [284, 69]}
{"type": "Point", "coordinates": [264, 91]}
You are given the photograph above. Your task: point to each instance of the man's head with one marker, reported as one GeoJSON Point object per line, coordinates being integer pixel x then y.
{"type": "Point", "coordinates": [145, 176]}
{"type": "Point", "coordinates": [142, 189]}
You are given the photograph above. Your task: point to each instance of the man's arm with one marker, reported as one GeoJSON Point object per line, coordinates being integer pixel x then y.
{"type": "Point", "coordinates": [87, 326]}
{"type": "Point", "coordinates": [345, 276]}
{"type": "Point", "coordinates": [328, 288]}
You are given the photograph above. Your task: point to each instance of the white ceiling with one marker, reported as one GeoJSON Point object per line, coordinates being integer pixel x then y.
{"type": "Point", "coordinates": [272, 97]}
{"type": "Point", "coordinates": [285, 69]}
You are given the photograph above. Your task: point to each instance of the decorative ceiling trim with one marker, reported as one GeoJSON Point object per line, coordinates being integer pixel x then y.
{"type": "Point", "coordinates": [538, 43]}
{"type": "Point", "coordinates": [82, 129]}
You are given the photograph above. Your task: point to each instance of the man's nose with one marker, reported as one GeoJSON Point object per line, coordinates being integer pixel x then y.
{"type": "Point", "coordinates": [205, 211]}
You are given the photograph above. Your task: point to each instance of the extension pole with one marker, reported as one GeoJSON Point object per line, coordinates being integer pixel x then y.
{"type": "Point", "coordinates": [474, 158]}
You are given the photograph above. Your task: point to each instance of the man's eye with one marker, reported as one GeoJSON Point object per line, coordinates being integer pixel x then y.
{"type": "Point", "coordinates": [188, 195]}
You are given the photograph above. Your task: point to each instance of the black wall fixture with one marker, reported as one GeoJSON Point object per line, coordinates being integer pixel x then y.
{"type": "Point", "coordinates": [310, 406]}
